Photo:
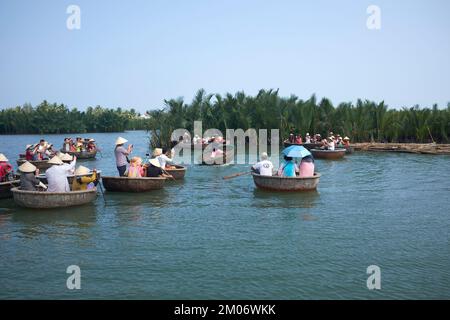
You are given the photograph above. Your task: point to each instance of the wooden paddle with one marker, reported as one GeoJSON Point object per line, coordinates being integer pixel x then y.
{"type": "Point", "coordinates": [101, 191]}
{"type": "Point", "coordinates": [164, 171]}
{"type": "Point", "coordinates": [236, 175]}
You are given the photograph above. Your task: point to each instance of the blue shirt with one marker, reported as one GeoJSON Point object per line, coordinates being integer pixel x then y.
{"type": "Point", "coordinates": [289, 169]}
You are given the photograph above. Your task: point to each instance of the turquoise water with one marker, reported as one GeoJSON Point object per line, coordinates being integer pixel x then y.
{"type": "Point", "coordinates": [206, 238]}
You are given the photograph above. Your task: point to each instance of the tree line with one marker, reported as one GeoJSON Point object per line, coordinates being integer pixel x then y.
{"type": "Point", "coordinates": [48, 118]}
{"type": "Point", "coordinates": [363, 121]}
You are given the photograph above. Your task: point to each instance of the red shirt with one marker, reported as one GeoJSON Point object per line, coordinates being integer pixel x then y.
{"type": "Point", "coordinates": [5, 168]}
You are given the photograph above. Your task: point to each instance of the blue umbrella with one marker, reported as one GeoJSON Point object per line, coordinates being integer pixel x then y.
{"type": "Point", "coordinates": [296, 152]}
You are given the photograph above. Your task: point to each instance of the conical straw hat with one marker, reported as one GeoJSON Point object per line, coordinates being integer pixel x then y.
{"type": "Point", "coordinates": [157, 152]}
{"type": "Point", "coordinates": [55, 160]}
{"type": "Point", "coordinates": [121, 140]}
{"type": "Point", "coordinates": [155, 162]}
{"type": "Point", "coordinates": [81, 170]}
{"type": "Point", "coordinates": [3, 158]}
{"type": "Point", "coordinates": [65, 157]}
{"type": "Point", "coordinates": [27, 167]}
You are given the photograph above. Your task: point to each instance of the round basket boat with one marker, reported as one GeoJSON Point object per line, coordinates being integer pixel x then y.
{"type": "Point", "coordinates": [276, 183]}
{"type": "Point", "coordinates": [82, 154]}
{"type": "Point", "coordinates": [5, 188]}
{"type": "Point", "coordinates": [125, 184]}
{"type": "Point", "coordinates": [39, 164]}
{"type": "Point", "coordinates": [178, 172]}
{"type": "Point", "coordinates": [70, 178]}
{"type": "Point", "coordinates": [48, 200]}
{"type": "Point", "coordinates": [308, 146]}
{"type": "Point", "coordinates": [328, 154]}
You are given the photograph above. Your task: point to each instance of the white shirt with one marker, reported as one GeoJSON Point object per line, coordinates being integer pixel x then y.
{"type": "Point", "coordinates": [331, 145]}
{"type": "Point", "coordinates": [163, 159]}
{"type": "Point", "coordinates": [57, 177]}
{"type": "Point", "coordinates": [265, 167]}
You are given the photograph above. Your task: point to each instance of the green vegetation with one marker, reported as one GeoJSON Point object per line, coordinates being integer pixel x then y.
{"type": "Point", "coordinates": [362, 122]}
{"type": "Point", "coordinates": [53, 118]}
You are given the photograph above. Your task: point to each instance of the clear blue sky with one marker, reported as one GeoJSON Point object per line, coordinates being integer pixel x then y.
{"type": "Point", "coordinates": [137, 53]}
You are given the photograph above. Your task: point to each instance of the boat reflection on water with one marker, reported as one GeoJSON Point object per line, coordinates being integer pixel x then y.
{"type": "Point", "coordinates": [56, 223]}
{"type": "Point", "coordinates": [268, 199]}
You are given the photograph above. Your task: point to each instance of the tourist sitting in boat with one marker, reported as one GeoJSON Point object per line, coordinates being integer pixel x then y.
{"type": "Point", "coordinates": [28, 179]}
{"type": "Point", "coordinates": [288, 168]}
{"type": "Point", "coordinates": [6, 169]}
{"type": "Point", "coordinates": [307, 138]}
{"type": "Point", "coordinates": [346, 142]}
{"type": "Point", "coordinates": [216, 153]}
{"type": "Point", "coordinates": [121, 155]}
{"type": "Point", "coordinates": [162, 155]}
{"type": "Point", "coordinates": [79, 144]}
{"type": "Point", "coordinates": [291, 138]}
{"type": "Point", "coordinates": [298, 139]}
{"type": "Point", "coordinates": [264, 167]}
{"type": "Point", "coordinates": [42, 150]}
{"type": "Point", "coordinates": [91, 147]}
{"type": "Point", "coordinates": [31, 152]}
{"type": "Point", "coordinates": [84, 181]}
{"type": "Point", "coordinates": [66, 145]}
{"type": "Point", "coordinates": [57, 174]}
{"type": "Point", "coordinates": [154, 169]}
{"type": "Point", "coordinates": [196, 139]}
{"type": "Point", "coordinates": [331, 143]}
{"type": "Point", "coordinates": [306, 167]}
{"type": "Point", "coordinates": [135, 170]}
{"type": "Point", "coordinates": [338, 140]}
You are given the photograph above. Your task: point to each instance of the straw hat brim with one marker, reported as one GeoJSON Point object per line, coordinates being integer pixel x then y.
{"type": "Point", "coordinates": [155, 162]}
{"type": "Point", "coordinates": [27, 167]}
{"type": "Point", "coordinates": [157, 152]}
{"type": "Point", "coordinates": [121, 140]}
{"type": "Point", "coordinates": [55, 160]}
{"type": "Point", "coordinates": [81, 170]}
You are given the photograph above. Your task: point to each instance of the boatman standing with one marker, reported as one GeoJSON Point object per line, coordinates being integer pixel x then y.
{"type": "Point", "coordinates": [263, 167]}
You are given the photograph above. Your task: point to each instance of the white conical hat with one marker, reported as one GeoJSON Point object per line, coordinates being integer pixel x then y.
{"type": "Point", "coordinates": [55, 160]}
{"type": "Point", "coordinates": [346, 138]}
{"type": "Point", "coordinates": [157, 152]}
{"type": "Point", "coordinates": [155, 162]}
{"type": "Point", "coordinates": [121, 140]}
{"type": "Point", "coordinates": [65, 157]}
{"type": "Point", "coordinates": [81, 170]}
{"type": "Point", "coordinates": [3, 158]}
{"type": "Point", "coordinates": [27, 167]}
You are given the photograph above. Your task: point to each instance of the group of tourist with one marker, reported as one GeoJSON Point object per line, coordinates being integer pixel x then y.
{"type": "Point", "coordinates": [79, 145]}
{"type": "Point", "coordinates": [331, 143]}
{"type": "Point", "coordinates": [155, 166]}
{"type": "Point", "coordinates": [288, 168]}
{"type": "Point", "coordinates": [57, 175]}
{"type": "Point", "coordinates": [208, 140]}
{"type": "Point", "coordinates": [335, 141]}
{"type": "Point", "coordinates": [39, 151]}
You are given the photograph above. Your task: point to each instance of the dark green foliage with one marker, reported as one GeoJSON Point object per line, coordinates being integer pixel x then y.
{"type": "Point", "coordinates": [362, 122]}
{"type": "Point", "coordinates": [54, 118]}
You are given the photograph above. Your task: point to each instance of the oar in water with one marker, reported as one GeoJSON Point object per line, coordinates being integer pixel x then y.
{"type": "Point", "coordinates": [101, 191]}
{"type": "Point", "coordinates": [164, 171]}
{"type": "Point", "coordinates": [236, 175]}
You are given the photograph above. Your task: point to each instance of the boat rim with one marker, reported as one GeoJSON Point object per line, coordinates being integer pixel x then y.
{"type": "Point", "coordinates": [316, 175]}
{"type": "Point", "coordinates": [129, 179]}
{"type": "Point", "coordinates": [18, 190]}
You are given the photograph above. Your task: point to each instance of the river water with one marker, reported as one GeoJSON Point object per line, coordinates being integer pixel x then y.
{"type": "Point", "coordinates": [206, 238]}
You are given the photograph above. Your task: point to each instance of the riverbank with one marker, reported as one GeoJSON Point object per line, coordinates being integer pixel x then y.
{"type": "Point", "coordinates": [417, 148]}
